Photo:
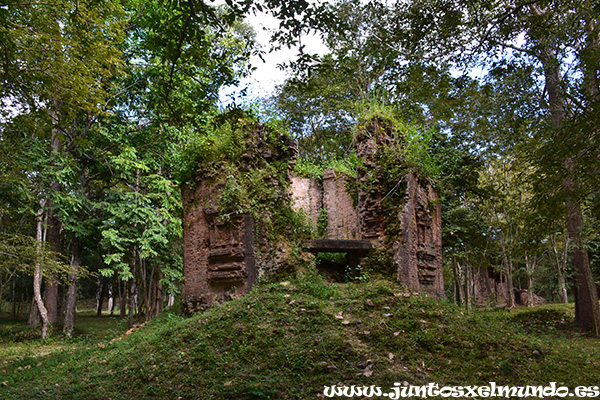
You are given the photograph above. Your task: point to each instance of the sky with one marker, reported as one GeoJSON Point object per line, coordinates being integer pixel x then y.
{"type": "Point", "coordinates": [267, 75]}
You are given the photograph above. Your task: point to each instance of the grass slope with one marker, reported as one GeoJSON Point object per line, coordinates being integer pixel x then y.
{"type": "Point", "coordinates": [290, 340]}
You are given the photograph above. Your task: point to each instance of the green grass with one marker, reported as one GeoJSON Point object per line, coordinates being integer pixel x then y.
{"type": "Point", "coordinates": [289, 341]}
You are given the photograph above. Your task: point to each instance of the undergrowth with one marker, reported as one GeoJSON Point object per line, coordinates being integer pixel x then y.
{"type": "Point", "coordinates": [288, 340]}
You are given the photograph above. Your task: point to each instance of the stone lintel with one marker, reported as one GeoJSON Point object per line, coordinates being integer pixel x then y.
{"type": "Point", "coordinates": [337, 246]}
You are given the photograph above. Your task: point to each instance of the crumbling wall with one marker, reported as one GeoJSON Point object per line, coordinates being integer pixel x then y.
{"type": "Point", "coordinates": [372, 183]}
{"type": "Point", "coordinates": [328, 198]}
{"type": "Point", "coordinates": [219, 262]}
{"type": "Point", "coordinates": [418, 255]}
{"type": "Point", "coordinates": [522, 298]}
{"type": "Point", "coordinates": [230, 209]}
{"type": "Point", "coordinates": [398, 209]}
{"type": "Point", "coordinates": [489, 287]}
{"type": "Point", "coordinates": [342, 218]}
{"type": "Point", "coordinates": [307, 197]}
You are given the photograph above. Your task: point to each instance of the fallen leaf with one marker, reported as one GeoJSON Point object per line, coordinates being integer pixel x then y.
{"type": "Point", "coordinates": [228, 383]}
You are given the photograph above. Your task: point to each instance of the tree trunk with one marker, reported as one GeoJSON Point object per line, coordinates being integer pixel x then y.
{"type": "Point", "coordinates": [122, 300]}
{"type": "Point", "coordinates": [37, 275]}
{"type": "Point", "coordinates": [53, 238]}
{"type": "Point", "coordinates": [99, 297]}
{"type": "Point", "coordinates": [587, 310]}
{"type": "Point", "coordinates": [457, 281]}
{"type": "Point", "coordinates": [1, 298]}
{"type": "Point", "coordinates": [530, 269]}
{"type": "Point", "coordinates": [14, 302]}
{"type": "Point", "coordinates": [34, 314]}
{"type": "Point", "coordinates": [111, 298]}
{"type": "Point", "coordinates": [510, 288]}
{"type": "Point", "coordinates": [468, 287]}
{"type": "Point", "coordinates": [72, 292]}
{"type": "Point", "coordinates": [561, 261]}
{"type": "Point", "coordinates": [159, 293]}
{"type": "Point", "coordinates": [51, 298]}
{"type": "Point", "coordinates": [133, 289]}
{"type": "Point", "coordinates": [510, 292]}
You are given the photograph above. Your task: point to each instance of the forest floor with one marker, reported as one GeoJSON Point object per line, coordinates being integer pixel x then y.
{"type": "Point", "coordinates": [289, 340]}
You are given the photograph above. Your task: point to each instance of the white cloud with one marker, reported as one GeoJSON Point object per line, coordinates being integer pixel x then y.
{"type": "Point", "coordinates": [261, 83]}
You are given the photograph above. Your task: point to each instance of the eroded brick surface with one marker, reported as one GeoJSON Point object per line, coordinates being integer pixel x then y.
{"type": "Point", "coordinates": [307, 196]}
{"type": "Point", "coordinates": [219, 262]}
{"type": "Point", "coordinates": [224, 257]}
{"type": "Point", "coordinates": [342, 218]}
{"type": "Point", "coordinates": [489, 287]}
{"type": "Point", "coordinates": [418, 257]}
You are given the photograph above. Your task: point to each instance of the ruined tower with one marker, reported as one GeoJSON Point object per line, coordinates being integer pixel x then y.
{"type": "Point", "coordinates": [387, 206]}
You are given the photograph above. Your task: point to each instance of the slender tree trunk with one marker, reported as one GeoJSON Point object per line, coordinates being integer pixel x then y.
{"type": "Point", "coordinates": [133, 289]}
{"type": "Point", "coordinates": [111, 298]}
{"type": "Point", "coordinates": [159, 292]}
{"type": "Point", "coordinates": [145, 292]}
{"type": "Point", "coordinates": [14, 302]}
{"type": "Point", "coordinates": [100, 297]}
{"type": "Point", "coordinates": [457, 281]}
{"type": "Point", "coordinates": [72, 292]}
{"type": "Point", "coordinates": [510, 290]}
{"type": "Point", "coordinates": [123, 300]}
{"type": "Point", "coordinates": [21, 305]}
{"type": "Point", "coordinates": [509, 283]}
{"type": "Point", "coordinates": [37, 275]}
{"type": "Point", "coordinates": [530, 269]}
{"type": "Point", "coordinates": [1, 298]}
{"type": "Point", "coordinates": [560, 265]}
{"type": "Point", "coordinates": [468, 287]}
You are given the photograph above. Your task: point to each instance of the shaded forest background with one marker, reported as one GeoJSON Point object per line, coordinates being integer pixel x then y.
{"type": "Point", "coordinates": [108, 106]}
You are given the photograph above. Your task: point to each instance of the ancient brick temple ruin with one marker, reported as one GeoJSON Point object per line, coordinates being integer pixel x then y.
{"type": "Point", "coordinates": [374, 210]}
{"type": "Point", "coordinates": [490, 288]}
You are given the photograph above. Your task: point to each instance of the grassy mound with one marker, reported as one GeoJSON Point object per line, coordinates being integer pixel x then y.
{"type": "Point", "coordinates": [290, 340]}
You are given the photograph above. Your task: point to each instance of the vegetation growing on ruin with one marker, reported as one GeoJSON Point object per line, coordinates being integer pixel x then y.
{"type": "Point", "coordinates": [249, 161]}
{"type": "Point", "coordinates": [313, 169]}
{"type": "Point", "coordinates": [404, 147]}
